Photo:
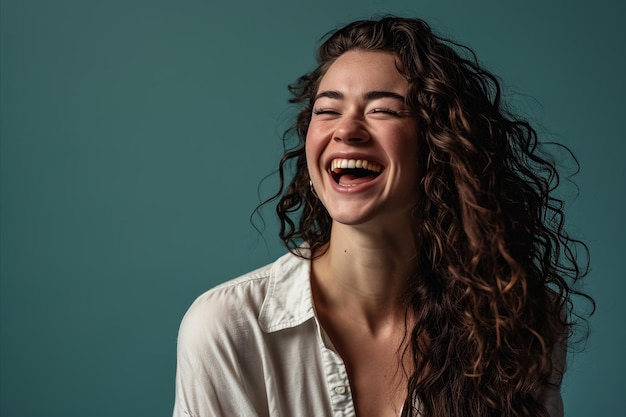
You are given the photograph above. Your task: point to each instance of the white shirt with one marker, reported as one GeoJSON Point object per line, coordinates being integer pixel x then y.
{"type": "Point", "coordinates": [253, 347]}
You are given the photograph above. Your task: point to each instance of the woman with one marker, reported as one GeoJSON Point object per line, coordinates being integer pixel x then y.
{"type": "Point", "coordinates": [428, 273]}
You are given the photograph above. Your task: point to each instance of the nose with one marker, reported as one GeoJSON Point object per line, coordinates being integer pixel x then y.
{"type": "Point", "coordinates": [351, 129]}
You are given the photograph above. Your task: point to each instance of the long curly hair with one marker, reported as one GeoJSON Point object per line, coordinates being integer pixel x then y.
{"type": "Point", "coordinates": [496, 272]}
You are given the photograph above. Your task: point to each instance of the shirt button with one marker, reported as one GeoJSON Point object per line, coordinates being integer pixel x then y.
{"type": "Point", "coordinates": [340, 390]}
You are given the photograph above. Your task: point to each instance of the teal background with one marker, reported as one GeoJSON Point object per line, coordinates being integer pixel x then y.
{"type": "Point", "coordinates": [134, 136]}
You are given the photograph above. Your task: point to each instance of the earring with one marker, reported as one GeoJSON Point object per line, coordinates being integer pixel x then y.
{"type": "Point", "coordinates": [312, 189]}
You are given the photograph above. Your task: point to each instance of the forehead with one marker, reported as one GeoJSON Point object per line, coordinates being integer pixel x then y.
{"type": "Point", "coordinates": [364, 70]}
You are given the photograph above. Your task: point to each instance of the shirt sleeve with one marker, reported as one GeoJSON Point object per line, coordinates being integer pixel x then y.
{"type": "Point", "coordinates": [210, 379]}
{"type": "Point", "coordinates": [553, 402]}
{"type": "Point", "coordinates": [550, 395]}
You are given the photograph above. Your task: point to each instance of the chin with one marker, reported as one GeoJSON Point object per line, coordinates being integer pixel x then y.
{"type": "Point", "coordinates": [372, 217]}
{"type": "Point", "coordinates": [351, 217]}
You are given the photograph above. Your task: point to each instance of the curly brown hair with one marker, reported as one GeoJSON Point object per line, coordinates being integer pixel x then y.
{"type": "Point", "coordinates": [496, 271]}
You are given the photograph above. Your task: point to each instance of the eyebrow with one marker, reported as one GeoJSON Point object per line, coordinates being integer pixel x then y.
{"type": "Point", "coordinates": [370, 95]}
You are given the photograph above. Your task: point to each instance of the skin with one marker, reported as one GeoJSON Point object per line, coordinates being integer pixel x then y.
{"type": "Point", "coordinates": [358, 281]}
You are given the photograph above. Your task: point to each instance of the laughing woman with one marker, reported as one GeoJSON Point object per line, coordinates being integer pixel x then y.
{"type": "Point", "coordinates": [428, 272]}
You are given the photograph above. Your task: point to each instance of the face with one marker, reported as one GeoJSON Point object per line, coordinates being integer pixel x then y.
{"type": "Point", "coordinates": [361, 145]}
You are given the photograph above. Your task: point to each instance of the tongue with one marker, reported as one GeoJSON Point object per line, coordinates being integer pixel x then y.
{"type": "Point", "coordinates": [350, 179]}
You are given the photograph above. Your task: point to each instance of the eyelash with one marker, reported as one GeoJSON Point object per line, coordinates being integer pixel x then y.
{"type": "Point", "coordinates": [324, 111]}
{"type": "Point", "coordinates": [385, 110]}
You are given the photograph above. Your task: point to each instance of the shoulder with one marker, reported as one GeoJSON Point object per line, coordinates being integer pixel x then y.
{"type": "Point", "coordinates": [217, 369]}
{"type": "Point", "coordinates": [266, 298]}
{"type": "Point", "coordinates": [228, 307]}
{"type": "Point", "coordinates": [228, 336]}
{"type": "Point", "coordinates": [233, 321]}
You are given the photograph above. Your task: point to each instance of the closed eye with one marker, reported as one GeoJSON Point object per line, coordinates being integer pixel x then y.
{"type": "Point", "coordinates": [325, 111]}
{"type": "Point", "coordinates": [386, 110]}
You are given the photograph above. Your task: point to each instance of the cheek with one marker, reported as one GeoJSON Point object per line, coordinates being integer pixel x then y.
{"type": "Point", "coordinates": [405, 144]}
{"type": "Point", "coordinates": [312, 147]}
{"type": "Point", "coordinates": [311, 156]}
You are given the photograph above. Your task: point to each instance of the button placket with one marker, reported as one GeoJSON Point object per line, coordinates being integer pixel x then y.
{"type": "Point", "coordinates": [338, 385]}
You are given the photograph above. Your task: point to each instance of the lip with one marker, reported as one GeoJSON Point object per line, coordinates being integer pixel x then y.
{"type": "Point", "coordinates": [352, 188]}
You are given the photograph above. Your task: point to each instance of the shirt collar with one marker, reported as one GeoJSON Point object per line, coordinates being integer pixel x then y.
{"type": "Point", "coordinates": [288, 302]}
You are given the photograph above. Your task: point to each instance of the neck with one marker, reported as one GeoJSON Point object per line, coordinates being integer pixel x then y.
{"type": "Point", "coordinates": [364, 273]}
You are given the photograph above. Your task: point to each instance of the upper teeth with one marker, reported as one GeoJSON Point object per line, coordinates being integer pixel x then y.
{"type": "Point", "coordinates": [337, 164]}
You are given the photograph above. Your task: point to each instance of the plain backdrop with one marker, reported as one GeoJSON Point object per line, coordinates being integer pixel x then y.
{"type": "Point", "coordinates": [135, 136]}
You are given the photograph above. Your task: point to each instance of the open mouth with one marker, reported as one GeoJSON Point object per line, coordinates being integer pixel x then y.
{"type": "Point", "coordinates": [354, 171]}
